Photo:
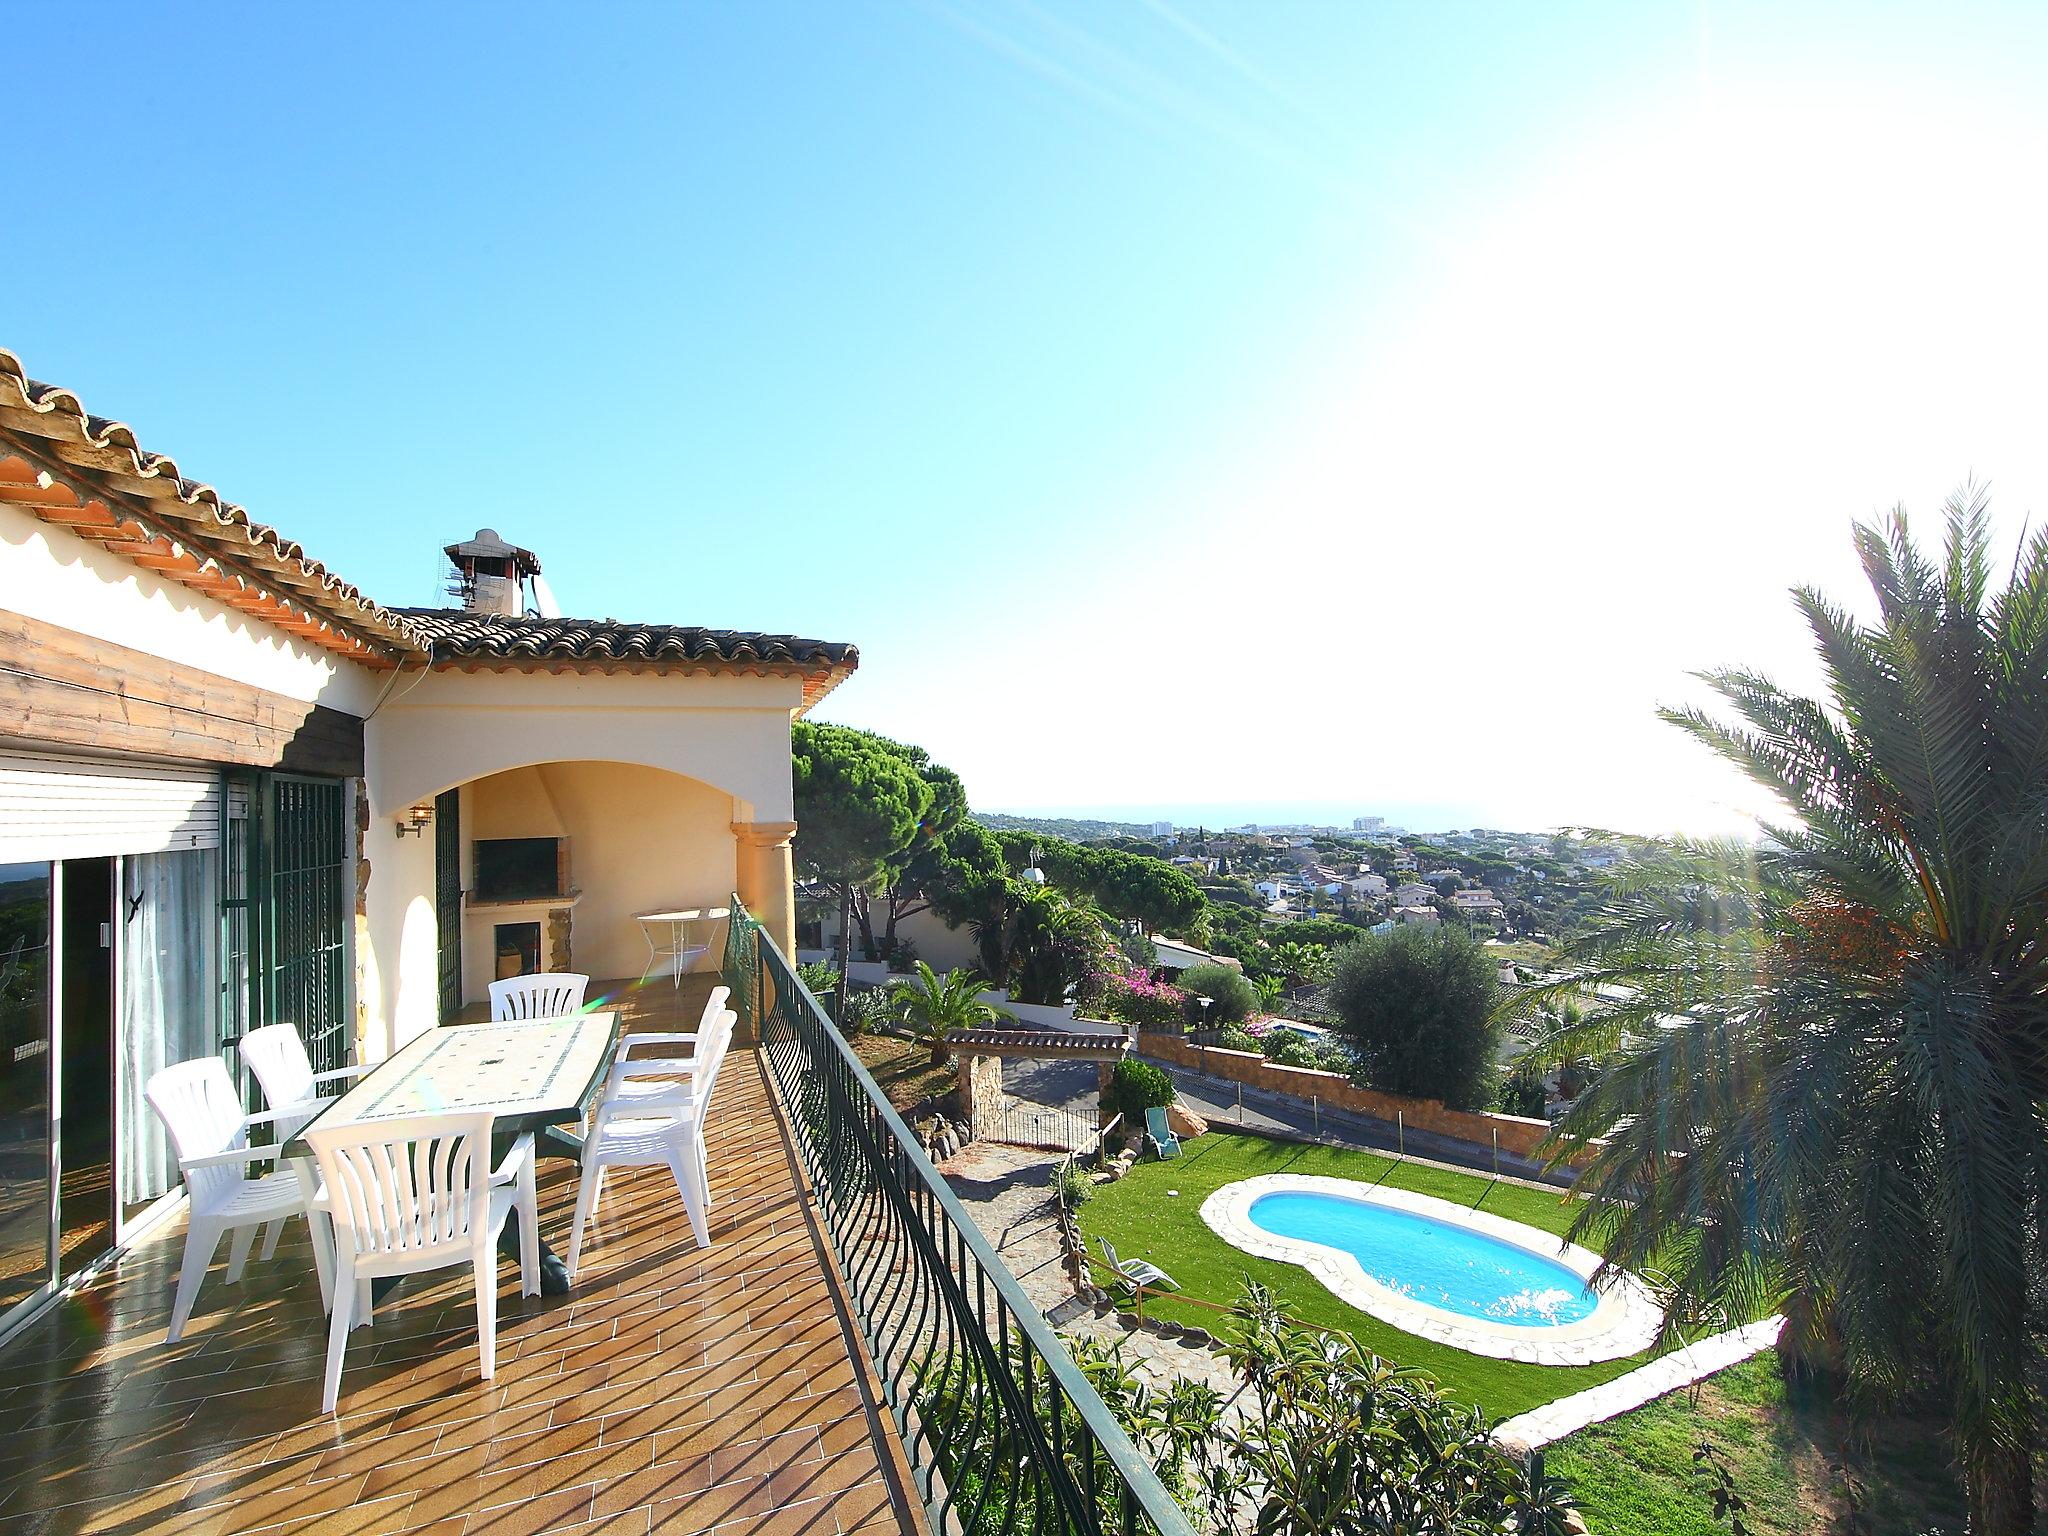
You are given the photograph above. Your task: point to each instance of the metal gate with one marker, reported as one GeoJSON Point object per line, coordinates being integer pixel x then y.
{"type": "Point", "coordinates": [1021, 1123]}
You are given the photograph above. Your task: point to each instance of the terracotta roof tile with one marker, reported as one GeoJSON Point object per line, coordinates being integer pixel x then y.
{"type": "Point", "coordinates": [455, 634]}
{"type": "Point", "coordinates": [102, 454]}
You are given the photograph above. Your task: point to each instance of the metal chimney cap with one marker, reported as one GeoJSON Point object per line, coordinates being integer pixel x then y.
{"type": "Point", "coordinates": [489, 545]}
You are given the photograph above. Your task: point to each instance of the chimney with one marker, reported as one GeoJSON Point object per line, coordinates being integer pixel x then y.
{"type": "Point", "coordinates": [490, 575]}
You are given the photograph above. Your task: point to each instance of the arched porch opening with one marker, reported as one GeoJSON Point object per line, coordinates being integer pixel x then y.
{"type": "Point", "coordinates": [551, 866]}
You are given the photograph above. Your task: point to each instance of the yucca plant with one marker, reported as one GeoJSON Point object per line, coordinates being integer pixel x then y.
{"type": "Point", "coordinates": [1827, 1057]}
{"type": "Point", "coordinates": [938, 1007]}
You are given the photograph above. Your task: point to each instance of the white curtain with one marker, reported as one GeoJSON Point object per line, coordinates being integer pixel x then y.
{"type": "Point", "coordinates": [170, 913]}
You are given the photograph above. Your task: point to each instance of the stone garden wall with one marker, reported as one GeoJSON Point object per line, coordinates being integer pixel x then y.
{"type": "Point", "coordinates": [1518, 1133]}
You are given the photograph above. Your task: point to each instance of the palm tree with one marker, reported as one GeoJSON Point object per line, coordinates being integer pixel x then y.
{"type": "Point", "coordinates": [1828, 1057]}
{"type": "Point", "coordinates": [1299, 963]}
{"type": "Point", "coordinates": [1043, 942]}
{"type": "Point", "coordinates": [937, 1008]}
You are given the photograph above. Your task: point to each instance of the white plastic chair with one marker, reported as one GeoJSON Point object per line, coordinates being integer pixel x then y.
{"type": "Point", "coordinates": [276, 1057]}
{"type": "Point", "coordinates": [642, 1087]}
{"type": "Point", "coordinates": [202, 1115]}
{"type": "Point", "coordinates": [549, 995]}
{"type": "Point", "coordinates": [414, 1194]}
{"type": "Point", "coordinates": [649, 1125]}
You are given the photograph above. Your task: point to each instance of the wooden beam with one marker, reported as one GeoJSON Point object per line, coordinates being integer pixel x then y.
{"type": "Point", "coordinates": [64, 689]}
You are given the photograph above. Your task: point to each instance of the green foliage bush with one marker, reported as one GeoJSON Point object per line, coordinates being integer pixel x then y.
{"type": "Point", "coordinates": [1289, 1049]}
{"type": "Point", "coordinates": [822, 979]}
{"type": "Point", "coordinates": [1335, 1439]}
{"type": "Point", "coordinates": [1236, 998]}
{"type": "Point", "coordinates": [1416, 1005]}
{"type": "Point", "coordinates": [1135, 1087]}
{"type": "Point", "coordinates": [1236, 1039]}
{"type": "Point", "coordinates": [1521, 1093]}
{"type": "Point", "coordinates": [867, 1011]}
{"type": "Point", "coordinates": [1073, 1185]}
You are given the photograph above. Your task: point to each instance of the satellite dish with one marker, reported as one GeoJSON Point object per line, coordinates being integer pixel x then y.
{"type": "Point", "coordinates": [543, 599]}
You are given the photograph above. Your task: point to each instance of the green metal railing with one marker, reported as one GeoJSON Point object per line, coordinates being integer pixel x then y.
{"type": "Point", "coordinates": [1001, 1428]}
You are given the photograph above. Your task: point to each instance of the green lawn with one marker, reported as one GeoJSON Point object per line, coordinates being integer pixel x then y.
{"type": "Point", "coordinates": [1145, 1219]}
{"type": "Point", "coordinates": [1802, 1468]}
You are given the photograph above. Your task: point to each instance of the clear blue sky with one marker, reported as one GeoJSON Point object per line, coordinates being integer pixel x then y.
{"type": "Point", "coordinates": [1181, 404]}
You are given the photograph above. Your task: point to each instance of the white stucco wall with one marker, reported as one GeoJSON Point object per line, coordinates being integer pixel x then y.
{"type": "Point", "coordinates": [448, 728]}
{"type": "Point", "coordinates": [644, 774]}
{"type": "Point", "coordinates": [942, 948]}
{"type": "Point", "coordinates": [51, 574]}
{"type": "Point", "coordinates": [398, 946]}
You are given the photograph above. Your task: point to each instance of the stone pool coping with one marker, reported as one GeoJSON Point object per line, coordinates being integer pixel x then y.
{"type": "Point", "coordinates": [1625, 1321]}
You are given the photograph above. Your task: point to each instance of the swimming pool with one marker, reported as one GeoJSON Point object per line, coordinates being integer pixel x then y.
{"type": "Point", "coordinates": [1442, 1271]}
{"type": "Point", "coordinates": [1430, 1261]}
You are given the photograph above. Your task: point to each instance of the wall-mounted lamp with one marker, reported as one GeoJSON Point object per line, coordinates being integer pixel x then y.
{"type": "Point", "coordinates": [416, 819]}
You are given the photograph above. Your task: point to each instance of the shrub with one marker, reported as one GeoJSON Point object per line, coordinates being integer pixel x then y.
{"type": "Point", "coordinates": [1236, 1039]}
{"type": "Point", "coordinates": [1289, 1049]}
{"type": "Point", "coordinates": [1149, 1004]}
{"type": "Point", "coordinates": [1073, 1185]}
{"type": "Point", "coordinates": [866, 1012]}
{"type": "Point", "coordinates": [1135, 1087]}
{"type": "Point", "coordinates": [1274, 1041]}
{"type": "Point", "coordinates": [1327, 1427]}
{"type": "Point", "coordinates": [1236, 999]}
{"type": "Point", "coordinates": [821, 978]}
{"type": "Point", "coordinates": [1521, 1093]}
{"type": "Point", "coordinates": [1416, 1005]}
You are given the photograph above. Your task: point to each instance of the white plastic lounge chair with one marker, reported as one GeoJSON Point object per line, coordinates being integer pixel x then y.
{"type": "Point", "coordinates": [202, 1114]}
{"type": "Point", "coordinates": [276, 1057]}
{"type": "Point", "coordinates": [647, 1124]}
{"type": "Point", "coordinates": [549, 995]}
{"type": "Point", "coordinates": [417, 1194]}
{"type": "Point", "coordinates": [1137, 1271]}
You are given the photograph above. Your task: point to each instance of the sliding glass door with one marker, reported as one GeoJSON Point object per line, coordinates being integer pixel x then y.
{"type": "Point", "coordinates": [27, 1200]}
{"type": "Point", "coordinates": [168, 985]}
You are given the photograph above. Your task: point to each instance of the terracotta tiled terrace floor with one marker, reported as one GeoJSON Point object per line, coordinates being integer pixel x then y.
{"type": "Point", "coordinates": [676, 1390]}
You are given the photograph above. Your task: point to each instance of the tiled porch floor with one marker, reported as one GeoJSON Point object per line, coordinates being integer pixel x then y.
{"type": "Point", "coordinates": [677, 1390]}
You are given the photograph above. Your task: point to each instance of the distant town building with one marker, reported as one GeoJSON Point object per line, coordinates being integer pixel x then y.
{"type": "Point", "coordinates": [1418, 916]}
{"type": "Point", "coordinates": [1367, 823]}
{"type": "Point", "coordinates": [1162, 829]}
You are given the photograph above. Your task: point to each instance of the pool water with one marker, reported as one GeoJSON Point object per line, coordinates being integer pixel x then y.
{"type": "Point", "coordinates": [1432, 1262]}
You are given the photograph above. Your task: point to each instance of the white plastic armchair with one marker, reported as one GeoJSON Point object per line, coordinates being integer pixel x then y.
{"type": "Point", "coordinates": [548, 995]}
{"type": "Point", "coordinates": [643, 1123]}
{"type": "Point", "coordinates": [276, 1057]}
{"type": "Point", "coordinates": [416, 1194]}
{"type": "Point", "coordinates": [640, 1086]}
{"type": "Point", "coordinates": [714, 1005]}
{"type": "Point", "coordinates": [202, 1115]}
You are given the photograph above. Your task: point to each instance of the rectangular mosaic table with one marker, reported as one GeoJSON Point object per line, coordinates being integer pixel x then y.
{"type": "Point", "coordinates": [530, 1073]}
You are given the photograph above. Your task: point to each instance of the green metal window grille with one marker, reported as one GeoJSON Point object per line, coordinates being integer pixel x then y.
{"type": "Point", "coordinates": [301, 891]}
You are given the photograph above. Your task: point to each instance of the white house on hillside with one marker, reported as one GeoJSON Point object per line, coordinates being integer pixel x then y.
{"type": "Point", "coordinates": [235, 790]}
